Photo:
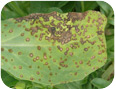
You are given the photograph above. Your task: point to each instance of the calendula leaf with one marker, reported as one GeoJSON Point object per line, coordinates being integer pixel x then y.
{"type": "Point", "coordinates": [54, 48]}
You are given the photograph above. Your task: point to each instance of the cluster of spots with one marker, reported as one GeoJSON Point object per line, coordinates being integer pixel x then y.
{"type": "Point", "coordinates": [5, 59]}
{"type": "Point", "coordinates": [62, 63]}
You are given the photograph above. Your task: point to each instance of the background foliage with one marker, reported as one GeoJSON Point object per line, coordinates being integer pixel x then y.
{"type": "Point", "coordinates": [100, 78]}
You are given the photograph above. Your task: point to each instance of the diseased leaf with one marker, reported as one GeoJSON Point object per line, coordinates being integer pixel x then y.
{"type": "Point", "coordinates": [54, 48]}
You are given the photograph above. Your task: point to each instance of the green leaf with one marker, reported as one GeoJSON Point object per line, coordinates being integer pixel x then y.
{"type": "Point", "coordinates": [106, 7]}
{"type": "Point", "coordinates": [62, 3]}
{"type": "Point", "coordinates": [8, 79]}
{"type": "Point", "coordinates": [100, 83]}
{"type": "Point", "coordinates": [42, 48]}
{"type": "Point", "coordinates": [20, 85]}
{"type": "Point", "coordinates": [6, 14]}
{"type": "Point", "coordinates": [13, 5]}
{"type": "Point", "coordinates": [41, 6]}
{"type": "Point", "coordinates": [108, 72]}
{"type": "Point", "coordinates": [52, 9]}
{"type": "Point", "coordinates": [68, 7]}
{"type": "Point", "coordinates": [111, 21]}
{"type": "Point", "coordinates": [72, 85]}
{"type": "Point", "coordinates": [90, 5]}
{"type": "Point", "coordinates": [110, 43]}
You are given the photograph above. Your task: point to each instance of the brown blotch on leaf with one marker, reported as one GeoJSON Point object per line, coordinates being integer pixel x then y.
{"type": "Point", "coordinates": [92, 57]}
{"type": "Point", "coordinates": [81, 62]}
{"type": "Point", "coordinates": [82, 41]}
{"type": "Point", "coordinates": [77, 66]}
{"type": "Point", "coordinates": [20, 67]}
{"type": "Point", "coordinates": [30, 66]}
{"type": "Point", "coordinates": [2, 49]}
{"type": "Point", "coordinates": [10, 50]}
{"type": "Point", "coordinates": [11, 30]}
{"type": "Point", "coordinates": [50, 74]}
{"type": "Point", "coordinates": [2, 57]}
{"type": "Point", "coordinates": [46, 63]}
{"type": "Point", "coordinates": [37, 57]}
{"type": "Point", "coordinates": [19, 53]}
{"type": "Point", "coordinates": [85, 49]}
{"type": "Point", "coordinates": [37, 72]}
{"type": "Point", "coordinates": [5, 25]}
{"type": "Point", "coordinates": [14, 67]}
{"type": "Point", "coordinates": [49, 80]}
{"type": "Point", "coordinates": [45, 56]}
{"type": "Point", "coordinates": [54, 60]}
{"type": "Point", "coordinates": [38, 47]}
{"type": "Point", "coordinates": [99, 32]}
{"type": "Point", "coordinates": [31, 54]}
{"type": "Point", "coordinates": [27, 39]}
{"type": "Point", "coordinates": [50, 48]}
{"type": "Point", "coordinates": [34, 59]}
{"type": "Point", "coordinates": [75, 73]}
{"type": "Point", "coordinates": [21, 75]}
{"type": "Point", "coordinates": [31, 78]}
{"type": "Point", "coordinates": [22, 34]}
{"type": "Point", "coordinates": [6, 60]}
{"type": "Point", "coordinates": [19, 25]}
{"type": "Point", "coordinates": [71, 53]}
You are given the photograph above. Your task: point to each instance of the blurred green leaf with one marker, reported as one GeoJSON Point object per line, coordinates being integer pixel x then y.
{"type": "Point", "coordinates": [13, 5]}
{"type": "Point", "coordinates": [7, 79]}
{"type": "Point", "coordinates": [6, 14]}
{"type": "Point", "coordinates": [20, 85]}
{"type": "Point", "coordinates": [68, 7]}
{"type": "Point", "coordinates": [41, 6]}
{"type": "Point", "coordinates": [106, 7]}
{"type": "Point", "coordinates": [108, 72]}
{"type": "Point", "coordinates": [61, 3]}
{"type": "Point", "coordinates": [71, 85]}
{"type": "Point", "coordinates": [100, 83]}
{"type": "Point", "coordinates": [78, 6]}
{"type": "Point", "coordinates": [111, 21]}
{"type": "Point", "coordinates": [55, 9]}
{"type": "Point", "coordinates": [90, 5]}
{"type": "Point", "coordinates": [110, 43]}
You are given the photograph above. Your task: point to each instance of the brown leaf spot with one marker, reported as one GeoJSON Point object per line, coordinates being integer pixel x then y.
{"type": "Point", "coordinates": [11, 30]}
{"type": "Point", "coordinates": [2, 49]}
{"type": "Point", "coordinates": [81, 62]}
{"type": "Point", "coordinates": [27, 39]}
{"type": "Point", "coordinates": [22, 34]}
{"type": "Point", "coordinates": [19, 53]}
{"type": "Point", "coordinates": [37, 72]}
{"type": "Point", "coordinates": [10, 50]}
{"type": "Point", "coordinates": [75, 73]}
{"type": "Point", "coordinates": [21, 76]}
{"type": "Point", "coordinates": [20, 67]}
{"type": "Point", "coordinates": [31, 78]}
{"type": "Point", "coordinates": [31, 54]}
{"type": "Point", "coordinates": [38, 47]}
{"type": "Point", "coordinates": [85, 49]}
{"type": "Point", "coordinates": [92, 57]}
